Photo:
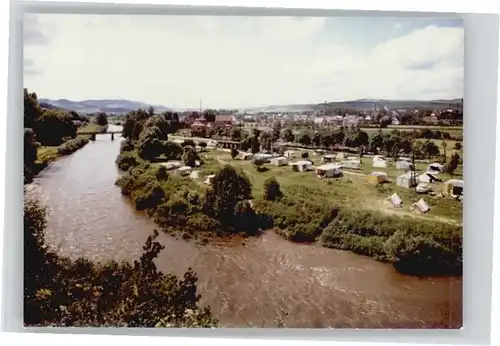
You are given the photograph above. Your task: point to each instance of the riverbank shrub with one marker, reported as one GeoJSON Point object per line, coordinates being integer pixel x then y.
{"type": "Point", "coordinates": [63, 292]}
{"type": "Point", "coordinates": [127, 160]}
{"type": "Point", "coordinates": [296, 220]}
{"type": "Point", "coordinates": [414, 247]}
{"type": "Point", "coordinates": [72, 145]}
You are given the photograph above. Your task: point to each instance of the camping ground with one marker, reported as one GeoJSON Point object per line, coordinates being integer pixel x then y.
{"type": "Point", "coordinates": [352, 190]}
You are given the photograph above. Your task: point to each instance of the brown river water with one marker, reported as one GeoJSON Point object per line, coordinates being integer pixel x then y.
{"type": "Point", "coordinates": [247, 282]}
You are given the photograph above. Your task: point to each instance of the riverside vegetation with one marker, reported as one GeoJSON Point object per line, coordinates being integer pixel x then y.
{"type": "Point", "coordinates": [231, 206]}
{"type": "Point", "coordinates": [50, 133]}
{"type": "Point", "coordinates": [59, 291]}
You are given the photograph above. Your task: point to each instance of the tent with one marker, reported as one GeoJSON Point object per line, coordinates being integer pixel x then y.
{"type": "Point", "coordinates": [301, 166]}
{"type": "Point", "coordinates": [395, 200]}
{"type": "Point", "coordinates": [427, 178]}
{"type": "Point", "coordinates": [453, 187]}
{"type": "Point", "coordinates": [435, 168]}
{"type": "Point", "coordinates": [380, 163]}
{"type": "Point", "coordinates": [329, 171]}
{"type": "Point", "coordinates": [407, 180]}
{"type": "Point", "coordinates": [289, 154]}
{"type": "Point", "coordinates": [279, 161]}
{"type": "Point", "coordinates": [378, 178]}
{"type": "Point", "coordinates": [328, 158]}
{"type": "Point", "coordinates": [421, 206]}
{"type": "Point", "coordinates": [378, 157]}
{"type": "Point", "coordinates": [405, 165]}
{"type": "Point", "coordinates": [246, 156]}
{"type": "Point", "coordinates": [353, 164]}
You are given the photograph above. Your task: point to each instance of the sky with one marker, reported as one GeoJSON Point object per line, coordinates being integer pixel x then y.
{"type": "Point", "coordinates": [234, 62]}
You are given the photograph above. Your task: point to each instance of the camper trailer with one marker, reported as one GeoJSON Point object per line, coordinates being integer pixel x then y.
{"type": "Point", "coordinates": [453, 188]}
{"type": "Point", "coordinates": [279, 161]}
{"type": "Point", "coordinates": [328, 158]}
{"type": "Point", "coordinates": [435, 168]}
{"type": "Point", "coordinates": [378, 178]}
{"type": "Point", "coordinates": [404, 165]}
{"type": "Point", "coordinates": [407, 180]}
{"type": "Point", "coordinates": [380, 164]}
{"type": "Point", "coordinates": [245, 156]}
{"type": "Point", "coordinates": [171, 165]}
{"type": "Point", "coordinates": [352, 164]}
{"type": "Point", "coordinates": [301, 166]}
{"type": "Point", "coordinates": [329, 171]}
{"type": "Point", "coordinates": [427, 178]}
{"type": "Point", "coordinates": [184, 171]}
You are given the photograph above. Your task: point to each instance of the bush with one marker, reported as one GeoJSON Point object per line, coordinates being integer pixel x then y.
{"type": "Point", "coordinates": [126, 145]}
{"type": "Point", "coordinates": [63, 292]}
{"type": "Point", "coordinates": [72, 145]}
{"type": "Point", "coordinates": [127, 160]}
{"type": "Point", "coordinates": [272, 191]}
{"type": "Point", "coordinates": [188, 143]}
{"type": "Point", "coordinates": [234, 153]}
{"type": "Point", "coordinates": [189, 156]}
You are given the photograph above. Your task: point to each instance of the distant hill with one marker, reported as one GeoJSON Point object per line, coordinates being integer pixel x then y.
{"type": "Point", "coordinates": [362, 105]}
{"type": "Point", "coordinates": [93, 106]}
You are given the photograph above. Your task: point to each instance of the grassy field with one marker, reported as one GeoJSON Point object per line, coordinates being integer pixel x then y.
{"type": "Point", "coordinates": [91, 127]}
{"type": "Point", "coordinates": [352, 190]}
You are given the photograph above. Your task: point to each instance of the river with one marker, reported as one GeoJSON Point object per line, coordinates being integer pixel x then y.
{"type": "Point", "coordinates": [246, 281]}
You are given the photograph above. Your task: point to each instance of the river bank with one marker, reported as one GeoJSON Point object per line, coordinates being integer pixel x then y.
{"type": "Point", "coordinates": [414, 246]}
{"type": "Point", "coordinates": [246, 281]}
{"type": "Point", "coordinates": [48, 154]}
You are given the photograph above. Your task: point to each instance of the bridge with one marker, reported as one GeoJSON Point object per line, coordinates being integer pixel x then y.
{"type": "Point", "coordinates": [93, 134]}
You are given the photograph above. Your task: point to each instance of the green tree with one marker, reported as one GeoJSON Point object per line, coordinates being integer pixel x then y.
{"type": "Point", "coordinates": [317, 139]}
{"type": "Point", "coordinates": [304, 139]}
{"type": "Point", "coordinates": [453, 164]}
{"type": "Point", "coordinates": [101, 119]}
{"type": "Point", "coordinates": [234, 153]}
{"type": "Point", "coordinates": [272, 191]}
{"type": "Point", "coordinates": [63, 292]}
{"type": "Point", "coordinates": [228, 188]}
{"type": "Point", "coordinates": [288, 136]}
{"type": "Point", "coordinates": [430, 149]}
{"type": "Point", "coordinates": [172, 150]}
{"type": "Point", "coordinates": [338, 136]}
{"type": "Point", "coordinates": [32, 110]}
{"type": "Point", "coordinates": [236, 134]}
{"type": "Point", "coordinates": [189, 156]}
{"type": "Point", "coordinates": [54, 126]}
{"type": "Point", "coordinates": [151, 143]}
{"type": "Point", "coordinates": [276, 131]}
{"type": "Point", "coordinates": [361, 139]}
{"type": "Point", "coordinates": [255, 145]}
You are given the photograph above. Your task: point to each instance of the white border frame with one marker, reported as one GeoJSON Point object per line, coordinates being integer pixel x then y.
{"type": "Point", "coordinates": [480, 104]}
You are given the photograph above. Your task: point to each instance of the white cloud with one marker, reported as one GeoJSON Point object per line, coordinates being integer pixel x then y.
{"type": "Point", "coordinates": [397, 26]}
{"type": "Point", "coordinates": [234, 61]}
